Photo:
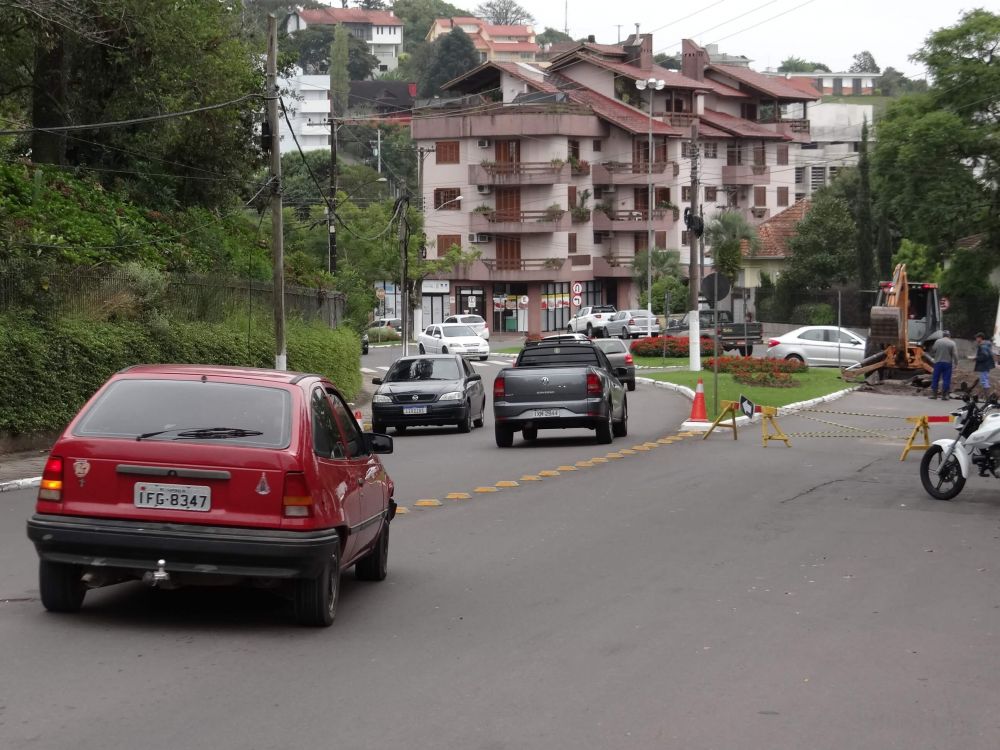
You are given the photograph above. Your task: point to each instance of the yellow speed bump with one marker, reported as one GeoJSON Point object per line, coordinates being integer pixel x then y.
{"type": "Point", "coordinates": [599, 460]}
{"type": "Point", "coordinates": [667, 440]}
{"type": "Point", "coordinates": [640, 448]}
{"type": "Point", "coordinates": [565, 468]}
{"type": "Point", "coordinates": [585, 464]}
{"type": "Point", "coordinates": [627, 452]}
{"type": "Point", "coordinates": [427, 503]}
{"type": "Point", "coordinates": [482, 490]}
{"type": "Point", "coordinates": [457, 496]}
{"type": "Point", "coordinates": [548, 473]}
{"type": "Point", "coordinates": [652, 445]}
{"type": "Point", "coordinates": [507, 483]}
{"type": "Point", "coordinates": [614, 455]}
{"type": "Point", "coordinates": [531, 478]}
{"type": "Point", "coordinates": [401, 509]}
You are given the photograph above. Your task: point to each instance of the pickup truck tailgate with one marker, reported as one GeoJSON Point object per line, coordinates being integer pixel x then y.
{"type": "Point", "coordinates": [551, 384]}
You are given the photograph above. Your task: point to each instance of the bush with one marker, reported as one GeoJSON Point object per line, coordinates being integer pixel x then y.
{"type": "Point", "coordinates": [815, 314]}
{"type": "Point", "coordinates": [60, 362]}
{"type": "Point", "coordinates": [383, 333]}
{"type": "Point", "coordinates": [676, 346]}
{"type": "Point", "coordinates": [771, 373]}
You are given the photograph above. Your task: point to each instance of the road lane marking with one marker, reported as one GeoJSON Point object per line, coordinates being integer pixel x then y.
{"type": "Point", "coordinates": [367, 371]}
{"type": "Point", "coordinates": [498, 364]}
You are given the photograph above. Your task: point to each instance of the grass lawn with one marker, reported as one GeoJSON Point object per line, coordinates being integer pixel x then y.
{"type": "Point", "coordinates": [509, 350]}
{"type": "Point", "coordinates": [661, 362]}
{"type": "Point", "coordinates": [812, 384]}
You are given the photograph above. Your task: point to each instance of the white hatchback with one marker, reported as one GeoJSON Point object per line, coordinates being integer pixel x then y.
{"type": "Point", "coordinates": [453, 338]}
{"type": "Point", "coordinates": [475, 322]}
{"type": "Point", "coordinates": [818, 346]}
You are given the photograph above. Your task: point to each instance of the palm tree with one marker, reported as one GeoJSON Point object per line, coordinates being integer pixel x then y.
{"type": "Point", "coordinates": [725, 233]}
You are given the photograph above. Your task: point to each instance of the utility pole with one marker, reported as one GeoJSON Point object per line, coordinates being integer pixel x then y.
{"type": "Point", "coordinates": [694, 282]}
{"type": "Point", "coordinates": [378, 148]}
{"type": "Point", "coordinates": [331, 219]}
{"type": "Point", "coordinates": [421, 153]}
{"type": "Point", "coordinates": [404, 240]}
{"type": "Point", "coordinates": [277, 228]}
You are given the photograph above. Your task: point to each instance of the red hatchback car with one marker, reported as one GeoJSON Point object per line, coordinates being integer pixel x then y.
{"type": "Point", "coordinates": [188, 474]}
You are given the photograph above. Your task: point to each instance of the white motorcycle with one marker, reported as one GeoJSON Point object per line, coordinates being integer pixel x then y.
{"type": "Point", "coordinates": [947, 464]}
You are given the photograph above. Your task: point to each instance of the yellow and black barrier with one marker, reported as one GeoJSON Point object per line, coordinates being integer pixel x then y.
{"type": "Point", "coordinates": [769, 428]}
{"type": "Point", "coordinates": [921, 426]}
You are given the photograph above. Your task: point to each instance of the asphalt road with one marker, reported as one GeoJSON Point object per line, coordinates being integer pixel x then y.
{"type": "Point", "coordinates": [698, 595]}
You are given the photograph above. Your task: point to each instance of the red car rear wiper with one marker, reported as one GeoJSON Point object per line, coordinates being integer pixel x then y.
{"type": "Point", "coordinates": [203, 433]}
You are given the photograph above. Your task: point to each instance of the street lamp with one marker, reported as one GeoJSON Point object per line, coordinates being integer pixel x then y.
{"type": "Point", "coordinates": [653, 84]}
{"type": "Point", "coordinates": [331, 224]}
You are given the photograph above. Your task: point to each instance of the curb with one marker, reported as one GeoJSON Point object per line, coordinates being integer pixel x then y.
{"type": "Point", "coordinates": [20, 484]}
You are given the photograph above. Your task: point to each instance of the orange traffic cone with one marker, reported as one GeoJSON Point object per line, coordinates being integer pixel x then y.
{"type": "Point", "coordinates": [358, 415]}
{"type": "Point", "coordinates": [698, 413]}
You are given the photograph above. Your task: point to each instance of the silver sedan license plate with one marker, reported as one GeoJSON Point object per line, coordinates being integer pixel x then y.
{"type": "Point", "coordinates": [172, 496]}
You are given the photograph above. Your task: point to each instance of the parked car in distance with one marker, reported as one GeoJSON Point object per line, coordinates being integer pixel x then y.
{"type": "Point", "coordinates": [619, 356]}
{"type": "Point", "coordinates": [475, 322]}
{"type": "Point", "coordinates": [394, 323]}
{"type": "Point", "coordinates": [557, 385]}
{"type": "Point", "coordinates": [564, 337]}
{"type": "Point", "coordinates": [632, 324]}
{"type": "Point", "coordinates": [453, 338]}
{"type": "Point", "coordinates": [590, 320]}
{"type": "Point", "coordinates": [818, 346]}
{"type": "Point", "coordinates": [430, 389]}
{"type": "Point", "coordinates": [192, 474]}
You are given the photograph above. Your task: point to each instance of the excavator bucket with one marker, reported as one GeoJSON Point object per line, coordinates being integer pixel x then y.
{"type": "Point", "coordinates": [886, 326]}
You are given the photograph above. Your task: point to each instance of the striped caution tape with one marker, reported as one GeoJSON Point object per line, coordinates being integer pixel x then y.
{"type": "Point", "coordinates": [851, 413]}
{"type": "Point", "coordinates": [867, 435]}
{"type": "Point", "coordinates": [852, 427]}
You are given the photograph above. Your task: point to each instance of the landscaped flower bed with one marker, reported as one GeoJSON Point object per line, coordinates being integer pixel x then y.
{"type": "Point", "coordinates": [772, 373]}
{"type": "Point", "coordinates": [676, 346]}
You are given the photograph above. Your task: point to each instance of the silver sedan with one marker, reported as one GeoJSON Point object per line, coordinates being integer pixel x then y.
{"type": "Point", "coordinates": [818, 346]}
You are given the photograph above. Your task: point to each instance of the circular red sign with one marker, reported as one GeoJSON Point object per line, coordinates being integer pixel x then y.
{"type": "Point", "coordinates": [944, 303]}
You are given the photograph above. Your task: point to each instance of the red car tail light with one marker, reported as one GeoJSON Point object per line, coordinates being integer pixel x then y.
{"type": "Point", "coordinates": [631, 321]}
{"type": "Point", "coordinates": [499, 387]}
{"type": "Point", "coordinates": [296, 500]}
{"type": "Point", "coordinates": [598, 316]}
{"type": "Point", "coordinates": [628, 359]}
{"type": "Point", "coordinates": [594, 384]}
{"type": "Point", "coordinates": [773, 342]}
{"type": "Point", "coordinates": [51, 484]}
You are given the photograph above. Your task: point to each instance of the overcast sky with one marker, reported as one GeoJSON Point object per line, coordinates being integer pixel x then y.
{"type": "Point", "coordinates": [766, 31]}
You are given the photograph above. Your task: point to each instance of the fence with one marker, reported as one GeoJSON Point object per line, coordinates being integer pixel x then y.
{"type": "Point", "coordinates": [102, 292]}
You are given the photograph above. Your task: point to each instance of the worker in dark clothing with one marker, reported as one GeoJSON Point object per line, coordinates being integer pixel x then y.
{"type": "Point", "coordinates": [984, 361]}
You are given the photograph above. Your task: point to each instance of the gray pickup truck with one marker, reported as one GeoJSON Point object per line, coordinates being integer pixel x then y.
{"type": "Point", "coordinates": [555, 385]}
{"type": "Point", "coordinates": [731, 335]}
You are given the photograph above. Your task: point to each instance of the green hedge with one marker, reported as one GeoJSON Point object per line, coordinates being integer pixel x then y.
{"type": "Point", "coordinates": [51, 367]}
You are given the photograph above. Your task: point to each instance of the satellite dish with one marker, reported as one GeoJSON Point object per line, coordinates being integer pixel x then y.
{"type": "Point", "coordinates": [715, 287]}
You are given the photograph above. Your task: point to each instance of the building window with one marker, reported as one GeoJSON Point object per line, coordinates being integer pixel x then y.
{"type": "Point", "coordinates": [800, 175]}
{"type": "Point", "coordinates": [782, 196]}
{"type": "Point", "coordinates": [711, 194]}
{"type": "Point", "coordinates": [446, 242]}
{"type": "Point", "coordinates": [574, 149]}
{"type": "Point", "coordinates": [734, 155]}
{"type": "Point", "coordinates": [640, 241]}
{"type": "Point", "coordinates": [598, 238]}
{"type": "Point", "coordinates": [685, 193]}
{"type": "Point", "coordinates": [446, 152]}
{"type": "Point", "coordinates": [662, 196]}
{"type": "Point", "coordinates": [759, 155]}
{"type": "Point", "coordinates": [711, 150]}
{"type": "Point", "coordinates": [782, 153]}
{"type": "Point", "coordinates": [685, 238]}
{"type": "Point", "coordinates": [598, 193]}
{"type": "Point", "coordinates": [687, 149]}
{"type": "Point", "coordinates": [818, 176]}
{"type": "Point", "coordinates": [759, 195]}
{"type": "Point", "coordinates": [447, 199]}
{"type": "Point", "coordinates": [660, 240]}
{"type": "Point", "coordinates": [571, 242]}
{"type": "Point", "coordinates": [596, 146]}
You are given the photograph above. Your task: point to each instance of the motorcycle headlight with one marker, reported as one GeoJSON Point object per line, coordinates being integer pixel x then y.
{"type": "Point", "coordinates": [378, 398]}
{"type": "Point", "coordinates": [452, 396]}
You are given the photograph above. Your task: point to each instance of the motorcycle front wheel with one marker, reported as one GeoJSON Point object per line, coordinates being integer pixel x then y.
{"type": "Point", "coordinates": [942, 480]}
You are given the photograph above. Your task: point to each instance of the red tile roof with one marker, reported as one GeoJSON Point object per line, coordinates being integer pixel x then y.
{"type": "Point", "coordinates": [722, 89]}
{"type": "Point", "coordinates": [532, 76]}
{"type": "Point", "coordinates": [626, 117]}
{"type": "Point", "coordinates": [328, 16]}
{"type": "Point", "coordinates": [740, 127]}
{"type": "Point", "coordinates": [774, 87]}
{"type": "Point", "coordinates": [515, 47]}
{"type": "Point", "coordinates": [776, 231]}
{"type": "Point", "coordinates": [672, 78]}
{"type": "Point", "coordinates": [804, 85]}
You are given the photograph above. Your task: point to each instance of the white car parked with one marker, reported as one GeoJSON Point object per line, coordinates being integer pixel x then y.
{"type": "Point", "coordinates": [475, 322]}
{"type": "Point", "coordinates": [453, 338]}
{"type": "Point", "coordinates": [818, 346]}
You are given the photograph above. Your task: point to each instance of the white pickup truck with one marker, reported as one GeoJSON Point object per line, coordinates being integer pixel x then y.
{"type": "Point", "coordinates": [591, 320]}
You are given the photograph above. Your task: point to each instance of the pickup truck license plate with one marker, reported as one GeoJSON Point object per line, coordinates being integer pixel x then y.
{"type": "Point", "coordinates": [414, 410]}
{"type": "Point", "coordinates": [539, 413]}
{"type": "Point", "coordinates": [172, 496]}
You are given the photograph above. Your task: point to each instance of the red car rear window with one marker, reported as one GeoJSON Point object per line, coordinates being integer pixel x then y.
{"type": "Point", "coordinates": [179, 409]}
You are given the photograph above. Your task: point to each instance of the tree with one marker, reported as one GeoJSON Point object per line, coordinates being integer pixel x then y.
{"type": "Point", "coordinates": [452, 54]}
{"type": "Point", "coordinates": [799, 65]}
{"type": "Point", "coordinates": [863, 216]}
{"type": "Point", "coordinates": [864, 62]}
{"type": "Point", "coordinates": [418, 16]}
{"type": "Point", "coordinates": [373, 4]}
{"type": "Point", "coordinates": [551, 35]}
{"type": "Point", "coordinates": [884, 246]}
{"type": "Point", "coordinates": [664, 263]}
{"type": "Point", "coordinates": [726, 232]}
{"type": "Point", "coordinates": [919, 260]}
{"type": "Point", "coordinates": [311, 46]}
{"type": "Point", "coordinates": [340, 84]}
{"type": "Point", "coordinates": [823, 252]}
{"type": "Point", "coordinates": [504, 13]}
{"type": "Point", "coordinates": [894, 83]}
{"type": "Point", "coordinates": [670, 62]}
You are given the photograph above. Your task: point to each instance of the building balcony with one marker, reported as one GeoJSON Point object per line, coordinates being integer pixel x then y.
{"type": "Point", "coordinates": [678, 119]}
{"type": "Point", "coordinates": [519, 269]}
{"type": "Point", "coordinates": [634, 221]}
{"type": "Point", "coordinates": [518, 173]}
{"type": "Point", "coordinates": [614, 265]}
{"type": "Point", "coordinates": [520, 222]}
{"type": "Point", "coordinates": [796, 129]}
{"type": "Point", "coordinates": [756, 214]}
{"type": "Point", "coordinates": [633, 173]}
{"type": "Point", "coordinates": [746, 175]}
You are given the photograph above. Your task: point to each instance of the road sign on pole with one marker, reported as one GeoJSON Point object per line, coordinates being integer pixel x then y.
{"type": "Point", "coordinates": [945, 303]}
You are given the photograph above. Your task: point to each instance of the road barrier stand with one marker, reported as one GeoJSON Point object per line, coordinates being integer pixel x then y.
{"type": "Point", "coordinates": [921, 425]}
{"type": "Point", "coordinates": [767, 420]}
{"type": "Point", "coordinates": [729, 409]}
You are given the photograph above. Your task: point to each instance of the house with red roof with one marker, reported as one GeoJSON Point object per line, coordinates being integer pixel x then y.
{"type": "Point", "coordinates": [493, 43]}
{"type": "Point", "coordinates": [380, 29]}
{"type": "Point", "coordinates": [559, 175]}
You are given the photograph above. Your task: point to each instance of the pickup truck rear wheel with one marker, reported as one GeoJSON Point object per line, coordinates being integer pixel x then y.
{"type": "Point", "coordinates": [746, 351]}
{"type": "Point", "coordinates": [504, 436]}
{"type": "Point", "coordinates": [590, 331]}
{"type": "Point", "coordinates": [620, 429]}
{"type": "Point", "coordinates": [605, 430]}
